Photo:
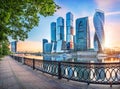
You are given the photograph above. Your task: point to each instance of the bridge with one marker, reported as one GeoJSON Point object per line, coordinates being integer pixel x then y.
{"type": "Point", "coordinates": [29, 74]}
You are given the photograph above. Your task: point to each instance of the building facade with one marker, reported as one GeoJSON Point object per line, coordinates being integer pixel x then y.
{"type": "Point", "coordinates": [59, 34]}
{"type": "Point", "coordinates": [82, 34]}
{"type": "Point", "coordinates": [99, 37]}
{"type": "Point", "coordinates": [47, 47]}
{"type": "Point", "coordinates": [60, 29]}
{"type": "Point", "coordinates": [69, 30]}
{"type": "Point", "coordinates": [14, 46]}
{"type": "Point", "coordinates": [53, 32]}
{"type": "Point", "coordinates": [53, 37]}
{"type": "Point", "coordinates": [44, 42]}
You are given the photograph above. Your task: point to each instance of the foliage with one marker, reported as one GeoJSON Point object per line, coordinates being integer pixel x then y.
{"type": "Point", "coordinates": [18, 17]}
{"type": "Point", "coordinates": [4, 48]}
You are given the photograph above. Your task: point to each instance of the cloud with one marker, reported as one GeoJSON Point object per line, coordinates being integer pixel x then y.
{"type": "Point", "coordinates": [106, 3]}
{"type": "Point", "coordinates": [112, 13]}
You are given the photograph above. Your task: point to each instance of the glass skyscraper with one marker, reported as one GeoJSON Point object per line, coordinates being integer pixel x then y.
{"type": "Point", "coordinates": [99, 37]}
{"type": "Point", "coordinates": [14, 46]}
{"type": "Point", "coordinates": [69, 30]}
{"type": "Point", "coordinates": [53, 37]}
{"type": "Point", "coordinates": [53, 31]}
{"type": "Point", "coordinates": [60, 29]}
{"type": "Point", "coordinates": [60, 34]}
{"type": "Point", "coordinates": [44, 42]}
{"type": "Point", "coordinates": [82, 34]}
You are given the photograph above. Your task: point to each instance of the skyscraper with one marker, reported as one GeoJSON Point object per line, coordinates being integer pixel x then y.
{"type": "Point", "coordinates": [69, 30]}
{"type": "Point", "coordinates": [60, 29]}
{"type": "Point", "coordinates": [82, 34]}
{"type": "Point", "coordinates": [60, 34]}
{"type": "Point", "coordinates": [53, 37]}
{"type": "Point", "coordinates": [44, 42]}
{"type": "Point", "coordinates": [53, 32]}
{"type": "Point", "coordinates": [99, 30]}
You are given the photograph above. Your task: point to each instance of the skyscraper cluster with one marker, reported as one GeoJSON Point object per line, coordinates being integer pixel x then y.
{"type": "Point", "coordinates": [78, 42]}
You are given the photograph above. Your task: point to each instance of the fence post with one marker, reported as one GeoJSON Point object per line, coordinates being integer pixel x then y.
{"type": "Point", "coordinates": [33, 64]}
{"type": "Point", "coordinates": [59, 70]}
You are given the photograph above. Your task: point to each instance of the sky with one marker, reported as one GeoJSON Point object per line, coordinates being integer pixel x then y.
{"type": "Point", "coordinates": [83, 8]}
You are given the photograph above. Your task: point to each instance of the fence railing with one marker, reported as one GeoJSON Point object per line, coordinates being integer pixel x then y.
{"type": "Point", "coordinates": [98, 73]}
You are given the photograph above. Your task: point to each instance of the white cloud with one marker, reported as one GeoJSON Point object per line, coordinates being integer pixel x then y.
{"type": "Point", "coordinates": [112, 13]}
{"type": "Point", "coordinates": [103, 4]}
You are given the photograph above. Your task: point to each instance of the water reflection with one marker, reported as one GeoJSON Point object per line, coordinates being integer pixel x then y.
{"type": "Point", "coordinates": [82, 59]}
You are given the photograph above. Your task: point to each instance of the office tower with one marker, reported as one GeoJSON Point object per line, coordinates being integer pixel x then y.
{"type": "Point", "coordinates": [14, 46]}
{"type": "Point", "coordinates": [99, 30]}
{"type": "Point", "coordinates": [53, 32]}
{"type": "Point", "coordinates": [60, 29]}
{"type": "Point", "coordinates": [60, 34]}
{"type": "Point", "coordinates": [74, 41]}
{"type": "Point", "coordinates": [53, 37]}
{"type": "Point", "coordinates": [44, 42]}
{"type": "Point", "coordinates": [69, 30]}
{"type": "Point", "coordinates": [82, 34]}
{"type": "Point", "coordinates": [47, 47]}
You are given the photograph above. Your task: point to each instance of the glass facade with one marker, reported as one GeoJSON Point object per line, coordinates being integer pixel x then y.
{"type": "Point", "coordinates": [82, 34]}
{"type": "Point", "coordinates": [53, 32]}
{"type": "Point", "coordinates": [99, 37]}
{"type": "Point", "coordinates": [14, 46]}
{"type": "Point", "coordinates": [44, 41]}
{"type": "Point", "coordinates": [47, 47]}
{"type": "Point", "coordinates": [69, 30]}
{"type": "Point", "coordinates": [60, 29]}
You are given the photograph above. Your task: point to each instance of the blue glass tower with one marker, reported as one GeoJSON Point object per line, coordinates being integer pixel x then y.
{"type": "Point", "coordinates": [60, 29]}
{"type": "Point", "coordinates": [82, 34]}
{"type": "Point", "coordinates": [44, 42]}
{"type": "Point", "coordinates": [69, 30]}
{"type": "Point", "coordinates": [14, 46]}
{"type": "Point", "coordinates": [60, 34]}
{"type": "Point", "coordinates": [99, 37]}
{"type": "Point", "coordinates": [53, 32]}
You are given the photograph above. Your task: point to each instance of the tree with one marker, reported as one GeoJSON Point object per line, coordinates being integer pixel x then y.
{"type": "Point", "coordinates": [18, 17]}
{"type": "Point", "coordinates": [4, 48]}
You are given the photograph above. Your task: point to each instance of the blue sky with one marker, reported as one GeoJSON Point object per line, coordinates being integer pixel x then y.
{"type": "Point", "coordinates": [82, 8]}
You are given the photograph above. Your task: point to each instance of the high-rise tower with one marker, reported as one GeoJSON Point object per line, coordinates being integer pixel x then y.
{"type": "Point", "coordinates": [99, 37]}
{"type": "Point", "coordinates": [82, 34]}
{"type": "Point", "coordinates": [60, 29]}
{"type": "Point", "coordinates": [69, 30]}
{"type": "Point", "coordinates": [53, 32]}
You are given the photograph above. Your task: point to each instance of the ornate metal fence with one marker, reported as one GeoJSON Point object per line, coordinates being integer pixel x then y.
{"type": "Point", "coordinates": [100, 73]}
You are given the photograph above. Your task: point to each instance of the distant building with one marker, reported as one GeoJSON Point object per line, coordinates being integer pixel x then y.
{"type": "Point", "coordinates": [99, 37]}
{"type": "Point", "coordinates": [74, 41]}
{"type": "Point", "coordinates": [53, 32]}
{"type": "Point", "coordinates": [47, 47]}
{"type": "Point", "coordinates": [82, 34]}
{"type": "Point", "coordinates": [44, 41]}
{"type": "Point", "coordinates": [61, 46]}
{"type": "Point", "coordinates": [53, 37]}
{"type": "Point", "coordinates": [69, 30]}
{"type": "Point", "coordinates": [54, 46]}
{"type": "Point", "coordinates": [60, 29]}
{"type": "Point", "coordinates": [14, 46]}
{"type": "Point", "coordinates": [59, 34]}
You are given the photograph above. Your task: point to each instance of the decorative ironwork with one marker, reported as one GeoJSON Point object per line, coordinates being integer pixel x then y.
{"type": "Point", "coordinates": [100, 73]}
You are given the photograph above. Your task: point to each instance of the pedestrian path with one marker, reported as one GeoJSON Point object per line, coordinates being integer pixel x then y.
{"type": "Point", "coordinates": [14, 75]}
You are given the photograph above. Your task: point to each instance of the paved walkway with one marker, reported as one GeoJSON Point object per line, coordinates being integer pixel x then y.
{"type": "Point", "coordinates": [14, 75]}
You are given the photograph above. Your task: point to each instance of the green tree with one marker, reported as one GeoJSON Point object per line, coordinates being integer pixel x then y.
{"type": "Point", "coordinates": [4, 48]}
{"type": "Point", "coordinates": [18, 17]}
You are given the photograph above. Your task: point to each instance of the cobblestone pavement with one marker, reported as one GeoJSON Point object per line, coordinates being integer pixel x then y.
{"type": "Point", "coordinates": [14, 75]}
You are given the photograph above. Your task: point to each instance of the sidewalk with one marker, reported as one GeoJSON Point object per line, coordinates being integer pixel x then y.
{"type": "Point", "coordinates": [14, 75]}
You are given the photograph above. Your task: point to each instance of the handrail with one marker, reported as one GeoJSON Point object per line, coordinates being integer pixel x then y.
{"type": "Point", "coordinates": [98, 73]}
